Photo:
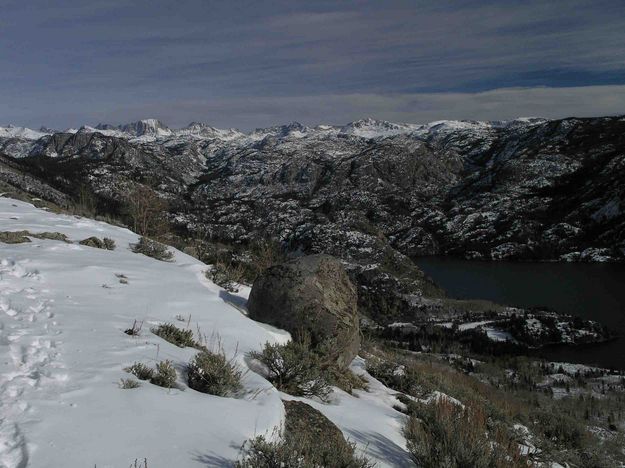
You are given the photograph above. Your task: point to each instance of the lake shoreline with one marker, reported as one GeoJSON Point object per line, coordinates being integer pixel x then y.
{"type": "Point", "coordinates": [591, 291]}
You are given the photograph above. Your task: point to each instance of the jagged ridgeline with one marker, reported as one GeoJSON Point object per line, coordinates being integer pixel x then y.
{"type": "Point", "coordinates": [523, 189]}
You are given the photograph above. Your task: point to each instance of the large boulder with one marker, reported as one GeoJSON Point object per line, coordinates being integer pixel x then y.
{"type": "Point", "coordinates": [305, 423]}
{"type": "Point", "coordinates": [311, 294]}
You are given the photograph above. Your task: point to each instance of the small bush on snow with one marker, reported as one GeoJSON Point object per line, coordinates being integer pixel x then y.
{"type": "Point", "coordinates": [152, 249]}
{"type": "Point", "coordinates": [300, 450]}
{"type": "Point", "coordinates": [140, 371]}
{"type": "Point", "coordinates": [106, 243]}
{"type": "Point", "coordinates": [294, 368]}
{"type": "Point", "coordinates": [212, 373]}
{"type": "Point", "coordinates": [176, 336]}
{"type": "Point", "coordinates": [129, 383]}
{"type": "Point", "coordinates": [165, 375]}
{"type": "Point", "coordinates": [226, 275]}
{"type": "Point", "coordinates": [109, 244]}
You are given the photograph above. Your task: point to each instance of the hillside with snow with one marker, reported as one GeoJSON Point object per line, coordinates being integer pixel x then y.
{"type": "Point", "coordinates": [63, 311]}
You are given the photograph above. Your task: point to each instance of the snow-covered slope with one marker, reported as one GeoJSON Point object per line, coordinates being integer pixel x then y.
{"type": "Point", "coordinates": [63, 311]}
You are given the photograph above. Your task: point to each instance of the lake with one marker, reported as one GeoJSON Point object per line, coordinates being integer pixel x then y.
{"type": "Point", "coordinates": [592, 291]}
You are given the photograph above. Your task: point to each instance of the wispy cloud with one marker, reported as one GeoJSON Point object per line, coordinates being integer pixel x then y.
{"type": "Point", "coordinates": [505, 103]}
{"type": "Point", "coordinates": [118, 55]}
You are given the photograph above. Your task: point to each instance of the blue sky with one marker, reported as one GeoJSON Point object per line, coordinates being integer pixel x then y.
{"type": "Point", "coordinates": [249, 64]}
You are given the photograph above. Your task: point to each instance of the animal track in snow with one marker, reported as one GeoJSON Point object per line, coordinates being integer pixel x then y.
{"type": "Point", "coordinates": [26, 339]}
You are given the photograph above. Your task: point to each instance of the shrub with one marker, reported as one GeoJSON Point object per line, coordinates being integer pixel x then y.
{"type": "Point", "coordinates": [129, 383]}
{"type": "Point", "coordinates": [309, 440]}
{"type": "Point", "coordinates": [146, 209]}
{"type": "Point", "coordinates": [18, 237]}
{"type": "Point", "coordinates": [140, 371]}
{"type": "Point", "coordinates": [109, 244]}
{"type": "Point", "coordinates": [213, 373]}
{"type": "Point", "coordinates": [448, 435]}
{"type": "Point", "coordinates": [93, 241]}
{"type": "Point", "coordinates": [152, 249]}
{"type": "Point", "coordinates": [346, 380]}
{"type": "Point", "coordinates": [51, 236]}
{"type": "Point", "coordinates": [300, 450]}
{"type": "Point", "coordinates": [226, 276]}
{"type": "Point", "coordinates": [165, 375]}
{"type": "Point", "coordinates": [14, 237]}
{"type": "Point", "coordinates": [265, 253]}
{"type": "Point", "coordinates": [176, 336]}
{"type": "Point", "coordinates": [294, 368]}
{"type": "Point", "coordinates": [559, 428]}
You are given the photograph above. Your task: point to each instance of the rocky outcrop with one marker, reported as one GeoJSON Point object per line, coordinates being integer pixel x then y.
{"type": "Point", "coordinates": [311, 295]}
{"type": "Point", "coordinates": [305, 422]}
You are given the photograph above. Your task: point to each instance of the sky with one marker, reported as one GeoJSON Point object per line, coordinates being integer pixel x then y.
{"type": "Point", "coordinates": [249, 64]}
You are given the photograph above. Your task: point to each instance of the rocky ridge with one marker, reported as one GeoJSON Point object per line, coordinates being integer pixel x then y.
{"type": "Point", "coordinates": [375, 194]}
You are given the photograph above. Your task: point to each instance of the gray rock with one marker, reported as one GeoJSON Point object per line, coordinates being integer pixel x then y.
{"type": "Point", "coordinates": [310, 294]}
{"type": "Point", "coordinates": [304, 419]}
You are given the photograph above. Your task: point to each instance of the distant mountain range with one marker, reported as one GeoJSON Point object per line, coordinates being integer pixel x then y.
{"type": "Point", "coordinates": [154, 129]}
{"type": "Point", "coordinates": [374, 193]}
{"type": "Point", "coordinates": [527, 188]}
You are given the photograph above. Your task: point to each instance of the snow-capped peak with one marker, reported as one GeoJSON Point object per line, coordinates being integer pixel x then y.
{"type": "Point", "coordinates": [203, 130]}
{"type": "Point", "coordinates": [293, 129]}
{"type": "Point", "coordinates": [12, 131]}
{"type": "Point", "coordinates": [372, 128]}
{"type": "Point", "coordinates": [146, 127]}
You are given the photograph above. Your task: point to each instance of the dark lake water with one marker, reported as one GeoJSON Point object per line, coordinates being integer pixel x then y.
{"type": "Point", "coordinates": [592, 291]}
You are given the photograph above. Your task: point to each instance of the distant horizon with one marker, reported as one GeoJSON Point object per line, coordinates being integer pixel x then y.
{"type": "Point", "coordinates": [118, 124]}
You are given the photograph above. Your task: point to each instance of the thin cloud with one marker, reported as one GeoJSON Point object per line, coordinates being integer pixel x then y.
{"type": "Point", "coordinates": [119, 55]}
{"type": "Point", "coordinates": [498, 104]}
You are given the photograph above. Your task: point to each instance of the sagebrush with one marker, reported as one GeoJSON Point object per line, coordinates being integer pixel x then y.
{"type": "Point", "coordinates": [213, 373]}
{"type": "Point", "coordinates": [165, 375]}
{"type": "Point", "coordinates": [177, 336]}
{"type": "Point", "coordinates": [152, 249]}
{"type": "Point", "coordinates": [295, 369]}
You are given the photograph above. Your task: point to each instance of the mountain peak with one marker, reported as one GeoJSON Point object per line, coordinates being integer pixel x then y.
{"type": "Point", "coordinates": [146, 127]}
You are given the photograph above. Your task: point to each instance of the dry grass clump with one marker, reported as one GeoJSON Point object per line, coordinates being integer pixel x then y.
{"type": "Point", "coordinates": [226, 275]}
{"type": "Point", "coordinates": [212, 373]}
{"type": "Point", "coordinates": [444, 434]}
{"type": "Point", "coordinates": [232, 266]}
{"type": "Point", "coordinates": [420, 376]}
{"type": "Point", "coordinates": [135, 330]}
{"type": "Point", "coordinates": [152, 249]}
{"type": "Point", "coordinates": [128, 384]}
